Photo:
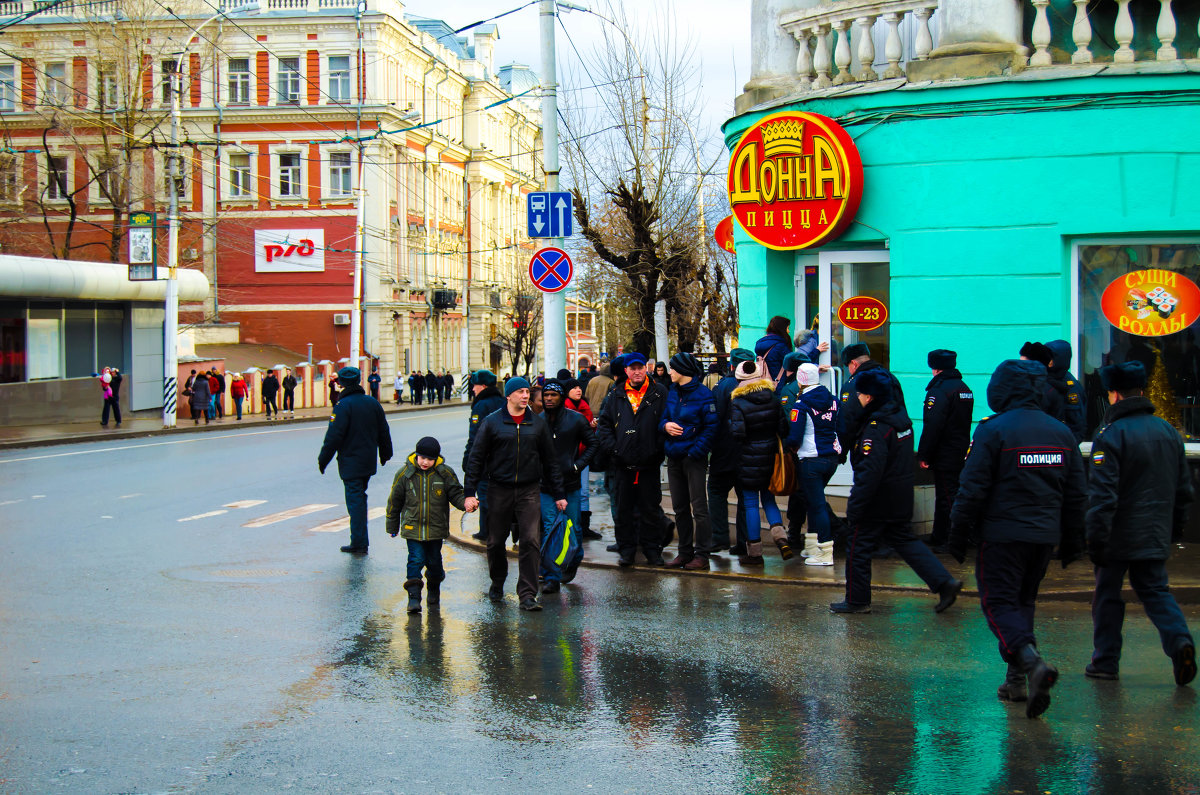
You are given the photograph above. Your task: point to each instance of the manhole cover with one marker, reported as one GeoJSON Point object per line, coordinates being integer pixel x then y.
{"type": "Point", "coordinates": [249, 573]}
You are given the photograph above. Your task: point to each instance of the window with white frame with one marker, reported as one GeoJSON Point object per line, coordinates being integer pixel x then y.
{"type": "Point", "coordinates": [8, 177]}
{"type": "Point", "coordinates": [288, 81]}
{"type": "Point", "coordinates": [340, 182]}
{"type": "Point", "coordinates": [339, 78]}
{"type": "Point", "coordinates": [240, 79]}
{"type": "Point", "coordinates": [8, 86]}
{"type": "Point", "coordinates": [289, 175]}
{"type": "Point", "coordinates": [56, 88]}
{"type": "Point", "coordinates": [239, 175]}
{"type": "Point", "coordinates": [107, 89]}
{"type": "Point", "coordinates": [169, 68]}
{"type": "Point", "coordinates": [56, 178]}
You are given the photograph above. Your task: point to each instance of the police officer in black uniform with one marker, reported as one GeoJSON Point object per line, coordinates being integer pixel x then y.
{"type": "Point", "coordinates": [1053, 402]}
{"type": "Point", "coordinates": [857, 358]}
{"type": "Point", "coordinates": [945, 436]}
{"type": "Point", "coordinates": [881, 499]}
{"type": "Point", "coordinates": [1070, 387]}
{"type": "Point", "coordinates": [1021, 492]}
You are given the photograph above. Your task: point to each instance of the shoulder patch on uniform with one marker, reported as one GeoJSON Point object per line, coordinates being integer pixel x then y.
{"type": "Point", "coordinates": [866, 446]}
{"type": "Point", "coordinates": [985, 419]}
{"type": "Point", "coordinates": [795, 414]}
{"type": "Point", "coordinates": [929, 401]}
{"type": "Point", "coordinates": [1098, 458]}
{"type": "Point", "coordinates": [1073, 398]}
{"type": "Point", "coordinates": [332, 417]}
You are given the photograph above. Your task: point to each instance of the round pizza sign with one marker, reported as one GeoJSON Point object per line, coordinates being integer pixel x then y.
{"type": "Point", "coordinates": [795, 180]}
{"type": "Point", "coordinates": [1151, 303]}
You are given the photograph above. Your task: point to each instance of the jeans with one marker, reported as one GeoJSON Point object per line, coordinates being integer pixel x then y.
{"type": "Point", "coordinates": [549, 514]}
{"type": "Point", "coordinates": [689, 495]}
{"type": "Point", "coordinates": [814, 477]}
{"type": "Point", "coordinates": [211, 410]}
{"type": "Point", "coordinates": [426, 555]}
{"type": "Point", "coordinates": [865, 536]}
{"type": "Point", "coordinates": [219, 405]}
{"type": "Point", "coordinates": [113, 404]}
{"type": "Point", "coordinates": [638, 505]}
{"type": "Point", "coordinates": [1149, 581]}
{"type": "Point", "coordinates": [1009, 575]}
{"type": "Point", "coordinates": [751, 498]}
{"type": "Point", "coordinates": [719, 484]}
{"type": "Point", "coordinates": [237, 404]}
{"type": "Point", "coordinates": [523, 505]}
{"type": "Point", "coordinates": [356, 506]}
{"type": "Point", "coordinates": [585, 476]}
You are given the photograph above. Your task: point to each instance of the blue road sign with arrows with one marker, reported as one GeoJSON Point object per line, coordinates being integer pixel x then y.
{"type": "Point", "coordinates": [549, 214]}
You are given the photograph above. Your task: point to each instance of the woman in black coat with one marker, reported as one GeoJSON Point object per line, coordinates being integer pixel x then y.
{"type": "Point", "coordinates": [199, 399]}
{"type": "Point", "coordinates": [755, 421]}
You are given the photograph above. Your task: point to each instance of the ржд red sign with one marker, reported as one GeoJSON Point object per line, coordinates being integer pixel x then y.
{"type": "Point", "coordinates": [795, 180]}
{"type": "Point", "coordinates": [862, 313]}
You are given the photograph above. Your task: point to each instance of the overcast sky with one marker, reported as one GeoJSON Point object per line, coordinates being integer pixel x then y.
{"type": "Point", "coordinates": [720, 30]}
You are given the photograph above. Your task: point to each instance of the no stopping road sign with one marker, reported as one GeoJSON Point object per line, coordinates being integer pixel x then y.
{"type": "Point", "coordinates": [550, 270]}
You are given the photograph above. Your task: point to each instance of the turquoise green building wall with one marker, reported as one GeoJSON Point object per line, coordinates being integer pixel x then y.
{"type": "Point", "coordinates": [979, 191]}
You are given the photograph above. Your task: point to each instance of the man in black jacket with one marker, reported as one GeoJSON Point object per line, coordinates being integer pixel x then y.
{"type": "Point", "coordinates": [1053, 399]}
{"type": "Point", "coordinates": [574, 444]}
{"type": "Point", "coordinates": [485, 400]}
{"type": "Point", "coordinates": [1021, 492]}
{"type": "Point", "coordinates": [1139, 490]}
{"type": "Point", "coordinates": [945, 436]}
{"type": "Point", "coordinates": [881, 499]}
{"type": "Point", "coordinates": [1071, 389]}
{"type": "Point", "coordinates": [416, 385]}
{"type": "Point", "coordinates": [722, 471]}
{"type": "Point", "coordinates": [627, 430]}
{"type": "Point", "coordinates": [513, 449]}
{"type": "Point", "coordinates": [357, 432]}
{"type": "Point", "coordinates": [857, 358]}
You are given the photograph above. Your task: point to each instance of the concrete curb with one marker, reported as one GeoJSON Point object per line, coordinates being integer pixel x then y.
{"type": "Point", "coordinates": [225, 425]}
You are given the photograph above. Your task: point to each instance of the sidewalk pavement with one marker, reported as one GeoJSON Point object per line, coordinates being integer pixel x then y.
{"type": "Point", "coordinates": [141, 424]}
{"type": "Point", "coordinates": [889, 574]}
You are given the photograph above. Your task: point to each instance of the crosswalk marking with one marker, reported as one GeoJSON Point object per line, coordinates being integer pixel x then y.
{"type": "Point", "coordinates": [201, 516]}
{"type": "Point", "coordinates": [338, 525]}
{"type": "Point", "coordinates": [244, 503]}
{"type": "Point", "coordinates": [291, 513]}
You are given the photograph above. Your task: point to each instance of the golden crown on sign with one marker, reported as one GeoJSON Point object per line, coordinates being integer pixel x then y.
{"type": "Point", "coordinates": [784, 137]}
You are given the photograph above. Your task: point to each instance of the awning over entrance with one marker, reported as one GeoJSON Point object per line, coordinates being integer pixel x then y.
{"type": "Point", "coordinates": [33, 277]}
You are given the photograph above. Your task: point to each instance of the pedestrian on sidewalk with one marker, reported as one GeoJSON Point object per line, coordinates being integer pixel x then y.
{"type": "Point", "coordinates": [485, 400]}
{"type": "Point", "coordinates": [1022, 491]}
{"type": "Point", "coordinates": [627, 432]}
{"type": "Point", "coordinates": [574, 444]}
{"type": "Point", "coordinates": [238, 391]}
{"type": "Point", "coordinates": [774, 345]}
{"type": "Point", "coordinates": [198, 398]}
{"type": "Point", "coordinates": [945, 437]}
{"type": "Point", "coordinates": [416, 384]}
{"type": "Point", "coordinates": [722, 470]}
{"type": "Point", "coordinates": [813, 435]}
{"type": "Point", "coordinates": [219, 395]}
{"type": "Point", "coordinates": [1139, 492]}
{"type": "Point", "coordinates": [432, 389]}
{"type": "Point", "coordinates": [881, 500]}
{"type": "Point", "coordinates": [514, 451]}
{"type": "Point", "coordinates": [786, 391]}
{"type": "Point", "coordinates": [335, 392]}
{"type": "Point", "coordinates": [447, 385]}
{"type": "Point", "coordinates": [111, 393]}
{"type": "Point", "coordinates": [756, 422]}
{"type": "Point", "coordinates": [398, 388]}
{"type": "Point", "coordinates": [576, 402]}
{"type": "Point", "coordinates": [689, 423]}
{"type": "Point", "coordinates": [374, 380]}
{"type": "Point", "coordinates": [1053, 393]}
{"type": "Point", "coordinates": [1070, 387]}
{"type": "Point", "coordinates": [214, 388]}
{"type": "Point", "coordinates": [418, 509]}
{"type": "Point", "coordinates": [270, 389]}
{"type": "Point", "coordinates": [597, 387]}
{"type": "Point", "coordinates": [357, 433]}
{"type": "Point", "coordinates": [289, 392]}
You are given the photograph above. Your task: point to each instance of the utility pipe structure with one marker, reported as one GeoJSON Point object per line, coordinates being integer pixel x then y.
{"type": "Point", "coordinates": [554, 306]}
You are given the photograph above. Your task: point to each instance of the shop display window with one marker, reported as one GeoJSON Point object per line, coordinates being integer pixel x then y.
{"type": "Point", "coordinates": [1139, 301]}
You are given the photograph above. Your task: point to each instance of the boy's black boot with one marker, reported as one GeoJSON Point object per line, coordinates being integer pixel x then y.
{"type": "Point", "coordinates": [433, 593]}
{"type": "Point", "coordinates": [1042, 676]}
{"type": "Point", "coordinates": [414, 595]}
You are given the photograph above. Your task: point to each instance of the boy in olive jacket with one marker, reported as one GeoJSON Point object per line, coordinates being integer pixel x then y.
{"type": "Point", "coordinates": [419, 510]}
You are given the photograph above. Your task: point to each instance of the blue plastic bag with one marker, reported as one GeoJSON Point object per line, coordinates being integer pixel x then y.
{"type": "Point", "coordinates": [562, 551]}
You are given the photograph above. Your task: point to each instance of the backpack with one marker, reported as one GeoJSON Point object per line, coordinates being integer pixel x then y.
{"type": "Point", "coordinates": [562, 552]}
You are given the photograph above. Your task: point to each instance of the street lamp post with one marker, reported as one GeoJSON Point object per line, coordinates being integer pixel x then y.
{"type": "Point", "coordinates": [171, 318]}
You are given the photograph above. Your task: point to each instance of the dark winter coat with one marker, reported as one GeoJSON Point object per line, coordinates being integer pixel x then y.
{"type": "Point", "coordinates": [270, 385]}
{"type": "Point", "coordinates": [200, 394]}
{"type": "Point", "coordinates": [418, 507]}
{"type": "Point", "coordinates": [513, 454]}
{"type": "Point", "coordinates": [487, 401]}
{"type": "Point", "coordinates": [1023, 480]}
{"type": "Point", "coordinates": [946, 430]}
{"type": "Point", "coordinates": [755, 420]}
{"type": "Point", "coordinates": [289, 382]}
{"type": "Point", "coordinates": [692, 406]}
{"type": "Point", "coordinates": [851, 413]}
{"type": "Point", "coordinates": [115, 385]}
{"type": "Point", "coordinates": [1074, 397]}
{"type": "Point", "coordinates": [632, 441]}
{"type": "Point", "coordinates": [773, 347]}
{"type": "Point", "coordinates": [570, 430]}
{"type": "Point", "coordinates": [357, 433]}
{"type": "Point", "coordinates": [882, 456]}
{"type": "Point", "coordinates": [1139, 485]}
{"type": "Point", "coordinates": [723, 458]}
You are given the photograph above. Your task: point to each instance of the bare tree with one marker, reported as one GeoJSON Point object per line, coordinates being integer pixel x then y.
{"type": "Point", "coordinates": [520, 339]}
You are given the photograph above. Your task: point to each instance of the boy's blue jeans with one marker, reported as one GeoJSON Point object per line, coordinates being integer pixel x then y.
{"type": "Point", "coordinates": [426, 555]}
{"type": "Point", "coordinates": [549, 512]}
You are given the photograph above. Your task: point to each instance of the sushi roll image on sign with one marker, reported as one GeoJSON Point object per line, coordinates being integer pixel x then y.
{"type": "Point", "coordinates": [1151, 303]}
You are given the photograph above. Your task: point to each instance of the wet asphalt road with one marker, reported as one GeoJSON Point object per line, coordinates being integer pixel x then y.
{"type": "Point", "coordinates": [141, 653]}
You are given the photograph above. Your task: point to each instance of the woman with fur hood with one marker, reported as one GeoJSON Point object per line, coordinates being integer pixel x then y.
{"type": "Point", "coordinates": [756, 422]}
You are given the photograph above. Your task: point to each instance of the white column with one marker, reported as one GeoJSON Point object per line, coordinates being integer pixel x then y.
{"type": "Point", "coordinates": [841, 54]}
{"type": "Point", "coordinates": [923, 45]}
{"type": "Point", "coordinates": [1041, 34]}
{"type": "Point", "coordinates": [1166, 32]}
{"type": "Point", "coordinates": [894, 49]}
{"type": "Point", "coordinates": [1123, 33]}
{"type": "Point", "coordinates": [804, 61]}
{"type": "Point", "coordinates": [866, 49]}
{"type": "Point", "coordinates": [772, 51]}
{"type": "Point", "coordinates": [821, 60]}
{"type": "Point", "coordinates": [1081, 34]}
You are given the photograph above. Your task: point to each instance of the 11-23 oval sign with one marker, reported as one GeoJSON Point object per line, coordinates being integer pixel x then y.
{"type": "Point", "coordinates": [862, 313]}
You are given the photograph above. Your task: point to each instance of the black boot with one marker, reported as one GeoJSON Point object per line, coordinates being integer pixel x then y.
{"type": "Point", "coordinates": [433, 593]}
{"type": "Point", "coordinates": [585, 531]}
{"type": "Point", "coordinates": [1042, 676]}
{"type": "Point", "coordinates": [1013, 688]}
{"type": "Point", "coordinates": [414, 595]}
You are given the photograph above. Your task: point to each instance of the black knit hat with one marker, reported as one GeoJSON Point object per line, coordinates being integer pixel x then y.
{"type": "Point", "coordinates": [429, 447]}
{"type": "Point", "coordinates": [1037, 352]}
{"type": "Point", "coordinates": [942, 359]}
{"type": "Point", "coordinates": [685, 364]}
{"type": "Point", "coordinates": [563, 374]}
{"type": "Point", "coordinates": [852, 352]}
{"type": "Point", "coordinates": [1125, 377]}
{"type": "Point", "coordinates": [556, 386]}
{"type": "Point", "coordinates": [875, 383]}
